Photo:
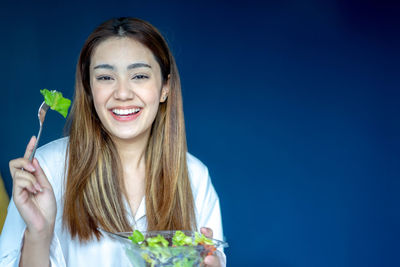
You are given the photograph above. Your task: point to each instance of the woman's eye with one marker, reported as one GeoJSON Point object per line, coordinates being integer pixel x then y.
{"type": "Point", "coordinates": [104, 78]}
{"type": "Point", "coordinates": [140, 77]}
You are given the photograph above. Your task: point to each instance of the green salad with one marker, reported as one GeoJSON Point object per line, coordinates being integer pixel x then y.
{"type": "Point", "coordinates": [179, 251]}
{"type": "Point", "coordinates": [56, 101]}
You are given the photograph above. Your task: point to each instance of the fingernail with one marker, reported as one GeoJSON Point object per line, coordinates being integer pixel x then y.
{"type": "Point", "coordinates": [38, 187]}
{"type": "Point", "coordinates": [31, 168]}
{"type": "Point", "coordinates": [33, 190]}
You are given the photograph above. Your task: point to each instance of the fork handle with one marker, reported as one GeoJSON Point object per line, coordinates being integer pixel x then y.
{"type": "Point", "coordinates": [36, 143]}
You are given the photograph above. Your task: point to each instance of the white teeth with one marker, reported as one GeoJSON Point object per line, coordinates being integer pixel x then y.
{"type": "Point", "coordinates": [125, 111]}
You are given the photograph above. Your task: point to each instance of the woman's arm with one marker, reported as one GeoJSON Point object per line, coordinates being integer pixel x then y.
{"type": "Point", "coordinates": [35, 250]}
{"type": "Point", "coordinates": [34, 199]}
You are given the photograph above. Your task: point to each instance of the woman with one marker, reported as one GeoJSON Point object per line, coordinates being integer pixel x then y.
{"type": "Point", "coordinates": [124, 163]}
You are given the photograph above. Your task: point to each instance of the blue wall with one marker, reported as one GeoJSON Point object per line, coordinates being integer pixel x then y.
{"type": "Point", "coordinates": [293, 105]}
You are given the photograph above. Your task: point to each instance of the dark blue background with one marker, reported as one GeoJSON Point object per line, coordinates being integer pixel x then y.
{"type": "Point", "coordinates": [293, 105]}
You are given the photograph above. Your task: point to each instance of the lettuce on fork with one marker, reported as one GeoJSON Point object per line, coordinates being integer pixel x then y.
{"type": "Point", "coordinates": [56, 101]}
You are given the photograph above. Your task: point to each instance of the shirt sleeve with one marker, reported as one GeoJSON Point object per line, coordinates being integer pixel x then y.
{"type": "Point", "coordinates": [208, 208]}
{"type": "Point", "coordinates": [11, 237]}
{"type": "Point", "coordinates": [210, 212]}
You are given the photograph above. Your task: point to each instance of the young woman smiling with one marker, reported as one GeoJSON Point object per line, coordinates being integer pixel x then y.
{"type": "Point", "coordinates": [124, 164]}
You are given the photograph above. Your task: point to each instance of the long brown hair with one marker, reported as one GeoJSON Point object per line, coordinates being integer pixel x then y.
{"type": "Point", "coordinates": [94, 195]}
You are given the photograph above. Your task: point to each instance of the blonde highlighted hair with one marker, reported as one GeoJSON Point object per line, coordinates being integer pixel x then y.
{"type": "Point", "coordinates": [94, 196]}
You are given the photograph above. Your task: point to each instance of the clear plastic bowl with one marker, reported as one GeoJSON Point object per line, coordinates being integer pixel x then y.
{"type": "Point", "coordinates": [183, 256]}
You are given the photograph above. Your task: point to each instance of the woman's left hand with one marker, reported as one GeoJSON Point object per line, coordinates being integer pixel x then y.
{"type": "Point", "coordinates": [211, 260]}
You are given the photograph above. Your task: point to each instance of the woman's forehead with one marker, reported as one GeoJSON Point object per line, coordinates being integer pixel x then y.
{"type": "Point", "coordinates": [121, 52]}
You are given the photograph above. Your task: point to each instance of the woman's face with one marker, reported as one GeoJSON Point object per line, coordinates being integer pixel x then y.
{"type": "Point", "coordinates": [127, 88]}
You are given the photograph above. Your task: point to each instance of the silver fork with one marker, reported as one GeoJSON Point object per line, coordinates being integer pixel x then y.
{"type": "Point", "coordinates": [41, 114]}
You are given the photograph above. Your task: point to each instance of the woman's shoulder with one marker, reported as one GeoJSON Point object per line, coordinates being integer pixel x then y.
{"type": "Point", "coordinates": [53, 152]}
{"type": "Point", "coordinates": [198, 174]}
{"type": "Point", "coordinates": [196, 168]}
{"type": "Point", "coordinates": [54, 148]}
{"type": "Point", "coordinates": [204, 195]}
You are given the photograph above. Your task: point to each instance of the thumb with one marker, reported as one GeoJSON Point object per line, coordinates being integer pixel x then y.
{"type": "Point", "coordinates": [208, 232]}
{"type": "Point", "coordinates": [29, 147]}
{"type": "Point", "coordinates": [40, 175]}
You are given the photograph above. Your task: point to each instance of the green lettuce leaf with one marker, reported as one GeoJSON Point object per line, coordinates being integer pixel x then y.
{"type": "Point", "coordinates": [56, 101]}
{"type": "Point", "coordinates": [136, 237]}
{"type": "Point", "coordinates": [157, 242]}
{"type": "Point", "coordinates": [180, 239]}
{"type": "Point", "coordinates": [202, 239]}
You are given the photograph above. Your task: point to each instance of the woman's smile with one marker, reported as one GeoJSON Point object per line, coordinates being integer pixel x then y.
{"type": "Point", "coordinates": [125, 114]}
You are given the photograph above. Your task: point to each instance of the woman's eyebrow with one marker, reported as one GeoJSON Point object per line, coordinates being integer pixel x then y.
{"type": "Point", "coordinates": [104, 66]}
{"type": "Point", "coordinates": [131, 66]}
{"type": "Point", "coordinates": [138, 65]}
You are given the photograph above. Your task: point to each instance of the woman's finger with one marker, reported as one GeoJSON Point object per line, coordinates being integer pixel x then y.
{"type": "Point", "coordinates": [24, 175]}
{"type": "Point", "coordinates": [208, 232]}
{"type": "Point", "coordinates": [211, 261]}
{"type": "Point", "coordinates": [21, 184]}
{"type": "Point", "coordinates": [40, 175]}
{"type": "Point", "coordinates": [21, 163]}
{"type": "Point", "coordinates": [29, 147]}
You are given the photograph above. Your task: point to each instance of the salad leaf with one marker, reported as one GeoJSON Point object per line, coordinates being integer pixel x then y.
{"type": "Point", "coordinates": [180, 239]}
{"type": "Point", "coordinates": [56, 101]}
{"type": "Point", "coordinates": [157, 242]}
{"type": "Point", "coordinates": [202, 239]}
{"type": "Point", "coordinates": [136, 237]}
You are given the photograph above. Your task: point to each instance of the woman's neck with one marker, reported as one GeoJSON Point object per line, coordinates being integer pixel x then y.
{"type": "Point", "coordinates": [132, 152]}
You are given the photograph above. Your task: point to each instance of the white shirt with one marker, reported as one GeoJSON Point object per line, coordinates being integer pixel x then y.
{"type": "Point", "coordinates": [65, 251]}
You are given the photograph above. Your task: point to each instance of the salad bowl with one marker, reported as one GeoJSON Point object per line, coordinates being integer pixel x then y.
{"type": "Point", "coordinates": [161, 248]}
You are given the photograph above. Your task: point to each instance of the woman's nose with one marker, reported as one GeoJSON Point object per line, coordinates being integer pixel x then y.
{"type": "Point", "coordinates": [123, 91]}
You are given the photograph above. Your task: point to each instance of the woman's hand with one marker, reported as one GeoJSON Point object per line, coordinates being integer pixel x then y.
{"type": "Point", "coordinates": [33, 195]}
{"type": "Point", "coordinates": [211, 260]}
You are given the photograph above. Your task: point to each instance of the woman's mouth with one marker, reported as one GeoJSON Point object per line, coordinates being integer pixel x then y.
{"type": "Point", "coordinates": [126, 114]}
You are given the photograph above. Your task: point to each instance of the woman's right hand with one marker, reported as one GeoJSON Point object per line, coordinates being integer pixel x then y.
{"type": "Point", "coordinates": [33, 195]}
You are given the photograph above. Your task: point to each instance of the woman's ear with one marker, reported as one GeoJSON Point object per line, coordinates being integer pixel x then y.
{"type": "Point", "coordinates": [165, 91]}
